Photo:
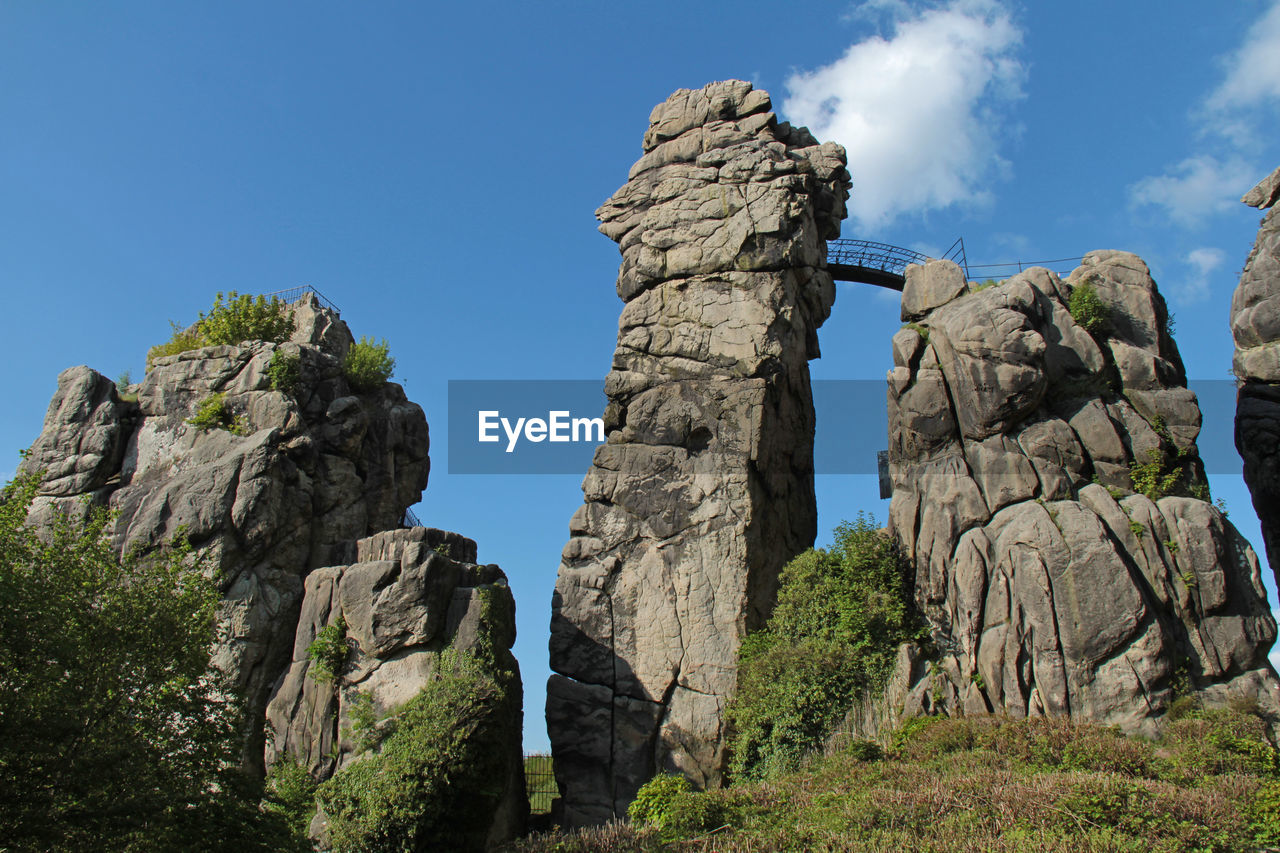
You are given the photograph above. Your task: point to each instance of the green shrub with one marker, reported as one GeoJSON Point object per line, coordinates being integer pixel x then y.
{"type": "Point", "coordinates": [328, 651]}
{"type": "Point", "coordinates": [654, 804]}
{"type": "Point", "coordinates": [245, 318]}
{"type": "Point", "coordinates": [368, 365]}
{"type": "Point", "coordinates": [364, 732]}
{"type": "Point", "coordinates": [291, 792]}
{"type": "Point", "coordinates": [1088, 310]}
{"type": "Point", "coordinates": [180, 341]}
{"type": "Point", "coordinates": [238, 318]}
{"type": "Point", "coordinates": [438, 778]}
{"type": "Point", "coordinates": [1153, 478]}
{"type": "Point", "coordinates": [284, 371]}
{"type": "Point", "coordinates": [214, 412]}
{"type": "Point", "coordinates": [866, 750]}
{"type": "Point", "coordinates": [840, 617]}
{"type": "Point", "coordinates": [1264, 814]}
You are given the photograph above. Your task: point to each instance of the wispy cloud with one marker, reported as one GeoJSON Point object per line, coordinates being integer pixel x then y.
{"type": "Point", "coordinates": [1195, 188]}
{"type": "Point", "coordinates": [1252, 80]}
{"type": "Point", "coordinates": [1195, 287]}
{"type": "Point", "coordinates": [921, 111]}
{"type": "Point", "coordinates": [1213, 180]}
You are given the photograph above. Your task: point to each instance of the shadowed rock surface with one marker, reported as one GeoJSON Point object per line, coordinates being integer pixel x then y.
{"type": "Point", "coordinates": [705, 487]}
{"type": "Point", "coordinates": [407, 596]}
{"type": "Point", "coordinates": [1255, 326]}
{"type": "Point", "coordinates": [1020, 445]}
{"type": "Point", "coordinates": [313, 471]}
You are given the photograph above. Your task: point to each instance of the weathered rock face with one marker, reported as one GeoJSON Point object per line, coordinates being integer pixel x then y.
{"type": "Point", "coordinates": [1053, 584]}
{"type": "Point", "coordinates": [1255, 325]}
{"type": "Point", "coordinates": [407, 595]}
{"type": "Point", "coordinates": [705, 487]}
{"type": "Point", "coordinates": [310, 472]}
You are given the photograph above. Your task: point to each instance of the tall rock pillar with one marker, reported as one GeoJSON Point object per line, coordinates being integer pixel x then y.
{"type": "Point", "coordinates": [1255, 326]}
{"type": "Point", "coordinates": [704, 488]}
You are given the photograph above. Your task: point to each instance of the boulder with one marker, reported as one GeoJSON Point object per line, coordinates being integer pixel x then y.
{"type": "Point", "coordinates": [1049, 496]}
{"type": "Point", "coordinates": [409, 596]}
{"type": "Point", "coordinates": [295, 479]}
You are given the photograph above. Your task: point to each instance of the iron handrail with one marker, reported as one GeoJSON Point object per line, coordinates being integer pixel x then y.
{"type": "Point", "coordinates": [293, 294]}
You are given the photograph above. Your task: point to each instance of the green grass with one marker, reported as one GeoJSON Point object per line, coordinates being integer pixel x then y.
{"type": "Point", "coordinates": [540, 782]}
{"type": "Point", "coordinates": [989, 784]}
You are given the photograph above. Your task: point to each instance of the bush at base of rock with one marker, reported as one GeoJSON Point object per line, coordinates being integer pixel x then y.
{"type": "Point", "coordinates": [436, 781]}
{"type": "Point", "coordinates": [840, 617]}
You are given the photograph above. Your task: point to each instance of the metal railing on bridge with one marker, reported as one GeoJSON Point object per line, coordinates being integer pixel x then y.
{"type": "Point", "coordinates": [881, 264]}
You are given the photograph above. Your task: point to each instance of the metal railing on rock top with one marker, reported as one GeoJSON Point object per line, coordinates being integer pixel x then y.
{"type": "Point", "coordinates": [293, 294]}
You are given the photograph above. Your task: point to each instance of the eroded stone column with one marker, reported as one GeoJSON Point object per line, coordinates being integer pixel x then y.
{"type": "Point", "coordinates": [704, 488]}
{"type": "Point", "coordinates": [1255, 326]}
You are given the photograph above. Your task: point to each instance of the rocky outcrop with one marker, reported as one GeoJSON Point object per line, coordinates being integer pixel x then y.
{"type": "Point", "coordinates": [1049, 495]}
{"type": "Point", "coordinates": [1255, 325]}
{"type": "Point", "coordinates": [705, 487]}
{"type": "Point", "coordinates": [407, 596]}
{"type": "Point", "coordinates": [301, 475]}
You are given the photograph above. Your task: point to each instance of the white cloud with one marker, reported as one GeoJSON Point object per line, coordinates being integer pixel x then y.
{"type": "Point", "coordinates": [1252, 79]}
{"type": "Point", "coordinates": [1195, 287]}
{"type": "Point", "coordinates": [1195, 188]}
{"type": "Point", "coordinates": [920, 112]}
{"type": "Point", "coordinates": [1209, 183]}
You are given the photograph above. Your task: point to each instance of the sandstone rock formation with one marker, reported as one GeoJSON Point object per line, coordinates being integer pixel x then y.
{"type": "Point", "coordinates": [310, 472]}
{"type": "Point", "coordinates": [1255, 325]}
{"type": "Point", "coordinates": [407, 596]}
{"type": "Point", "coordinates": [705, 487]}
{"type": "Point", "coordinates": [1049, 494]}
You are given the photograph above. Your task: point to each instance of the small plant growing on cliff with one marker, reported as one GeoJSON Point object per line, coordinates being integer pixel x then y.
{"type": "Point", "coordinates": [214, 412]}
{"type": "Point", "coordinates": [245, 318]}
{"type": "Point", "coordinates": [1088, 310]}
{"type": "Point", "coordinates": [181, 340]}
{"type": "Point", "coordinates": [368, 364]}
{"type": "Point", "coordinates": [284, 371]}
{"type": "Point", "coordinates": [328, 652]}
{"type": "Point", "coordinates": [1151, 477]}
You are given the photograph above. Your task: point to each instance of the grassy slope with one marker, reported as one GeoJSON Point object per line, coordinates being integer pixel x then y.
{"type": "Point", "coordinates": [988, 785]}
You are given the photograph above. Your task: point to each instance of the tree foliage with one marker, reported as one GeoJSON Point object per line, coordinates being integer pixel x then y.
{"type": "Point", "coordinates": [841, 614]}
{"type": "Point", "coordinates": [114, 730]}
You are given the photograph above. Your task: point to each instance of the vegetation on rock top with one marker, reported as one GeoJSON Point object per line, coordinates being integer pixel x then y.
{"type": "Point", "coordinates": [234, 318]}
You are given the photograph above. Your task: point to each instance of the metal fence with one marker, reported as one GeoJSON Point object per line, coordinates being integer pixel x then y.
{"type": "Point", "coordinates": [293, 294]}
{"type": "Point", "coordinates": [540, 782]}
{"type": "Point", "coordinates": [410, 519]}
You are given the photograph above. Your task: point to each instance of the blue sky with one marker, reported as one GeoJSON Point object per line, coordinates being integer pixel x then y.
{"type": "Point", "coordinates": [434, 168]}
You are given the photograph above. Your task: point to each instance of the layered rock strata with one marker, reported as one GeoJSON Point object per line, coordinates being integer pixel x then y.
{"type": "Point", "coordinates": [1049, 496]}
{"type": "Point", "coordinates": [704, 488]}
{"type": "Point", "coordinates": [1255, 326]}
{"type": "Point", "coordinates": [406, 596]}
{"type": "Point", "coordinates": [303, 474]}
